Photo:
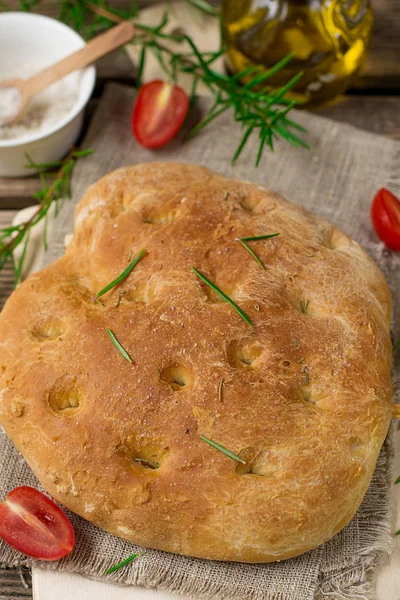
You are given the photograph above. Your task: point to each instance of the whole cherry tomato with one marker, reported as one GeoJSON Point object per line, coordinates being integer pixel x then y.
{"type": "Point", "coordinates": [33, 524]}
{"type": "Point", "coordinates": [385, 213]}
{"type": "Point", "coordinates": [159, 112]}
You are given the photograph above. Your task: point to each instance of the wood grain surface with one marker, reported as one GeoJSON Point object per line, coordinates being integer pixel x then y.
{"type": "Point", "coordinates": [373, 103]}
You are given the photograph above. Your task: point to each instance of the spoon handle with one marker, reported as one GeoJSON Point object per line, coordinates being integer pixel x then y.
{"type": "Point", "coordinates": [96, 48]}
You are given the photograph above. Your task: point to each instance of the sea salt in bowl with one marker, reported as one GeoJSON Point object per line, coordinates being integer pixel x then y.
{"type": "Point", "coordinates": [28, 44]}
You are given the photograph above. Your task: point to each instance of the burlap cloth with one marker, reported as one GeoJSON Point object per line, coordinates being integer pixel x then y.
{"type": "Point", "coordinates": [336, 180]}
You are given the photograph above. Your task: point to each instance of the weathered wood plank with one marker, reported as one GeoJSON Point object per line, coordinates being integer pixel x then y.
{"type": "Point", "coordinates": [15, 584]}
{"type": "Point", "coordinates": [382, 69]}
{"type": "Point", "coordinates": [6, 287]}
{"type": "Point", "coordinates": [14, 193]}
{"type": "Point", "coordinates": [378, 114]}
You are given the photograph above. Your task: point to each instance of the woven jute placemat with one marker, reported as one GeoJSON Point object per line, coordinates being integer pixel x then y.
{"type": "Point", "coordinates": [335, 180]}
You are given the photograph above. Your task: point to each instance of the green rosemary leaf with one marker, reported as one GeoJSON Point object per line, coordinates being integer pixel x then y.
{"type": "Point", "coordinates": [281, 115]}
{"type": "Point", "coordinates": [302, 359]}
{"type": "Point", "coordinates": [292, 138]}
{"type": "Point", "coordinates": [223, 449]}
{"type": "Point", "coordinates": [122, 276]}
{"type": "Point", "coordinates": [272, 71]}
{"type": "Point", "coordinates": [214, 56]}
{"type": "Point", "coordinates": [259, 237]}
{"type": "Point", "coordinates": [159, 56]}
{"type": "Point", "coordinates": [224, 296]}
{"type": "Point", "coordinates": [263, 137]}
{"type": "Point", "coordinates": [304, 305]}
{"type": "Point", "coordinates": [278, 95]}
{"type": "Point", "coordinates": [46, 221]}
{"type": "Point", "coordinates": [142, 61]}
{"type": "Point", "coordinates": [209, 117]}
{"type": "Point", "coordinates": [121, 564]}
{"type": "Point", "coordinates": [198, 55]}
{"type": "Point", "coordinates": [162, 23]}
{"type": "Point", "coordinates": [40, 166]}
{"type": "Point", "coordinates": [295, 125]}
{"type": "Point", "coordinates": [192, 97]}
{"type": "Point", "coordinates": [205, 7]}
{"type": "Point", "coordinates": [253, 254]}
{"type": "Point", "coordinates": [396, 346]}
{"type": "Point", "coordinates": [397, 481]}
{"type": "Point", "coordinates": [398, 532]}
{"type": "Point", "coordinates": [118, 346]}
{"type": "Point", "coordinates": [242, 75]}
{"type": "Point", "coordinates": [242, 145]}
{"type": "Point", "coordinates": [18, 268]}
{"type": "Point", "coordinates": [81, 153]}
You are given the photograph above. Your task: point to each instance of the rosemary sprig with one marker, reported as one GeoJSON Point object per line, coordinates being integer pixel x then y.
{"type": "Point", "coordinates": [122, 276]}
{"type": "Point", "coordinates": [260, 112]}
{"type": "Point", "coordinates": [224, 296]}
{"type": "Point", "coordinates": [122, 563]}
{"type": "Point", "coordinates": [397, 481]}
{"type": "Point", "coordinates": [13, 236]}
{"type": "Point", "coordinates": [223, 449]}
{"type": "Point", "coordinates": [398, 532]}
{"type": "Point", "coordinates": [118, 346]}
{"type": "Point", "coordinates": [396, 346]}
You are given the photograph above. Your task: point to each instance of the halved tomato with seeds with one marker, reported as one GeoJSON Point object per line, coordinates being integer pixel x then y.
{"type": "Point", "coordinates": [33, 524]}
{"type": "Point", "coordinates": [159, 112]}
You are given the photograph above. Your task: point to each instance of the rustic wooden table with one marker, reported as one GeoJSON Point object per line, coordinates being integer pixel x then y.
{"type": "Point", "coordinates": [373, 103]}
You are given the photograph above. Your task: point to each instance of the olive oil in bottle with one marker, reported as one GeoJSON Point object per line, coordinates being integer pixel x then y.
{"type": "Point", "coordinates": [328, 38]}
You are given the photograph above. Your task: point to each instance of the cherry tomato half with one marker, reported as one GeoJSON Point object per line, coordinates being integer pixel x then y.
{"type": "Point", "coordinates": [33, 524]}
{"type": "Point", "coordinates": [159, 112]}
{"type": "Point", "coordinates": [385, 213]}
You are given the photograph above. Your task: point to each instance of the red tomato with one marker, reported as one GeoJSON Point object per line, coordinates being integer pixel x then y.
{"type": "Point", "coordinates": [31, 523]}
{"type": "Point", "coordinates": [159, 112]}
{"type": "Point", "coordinates": [385, 212]}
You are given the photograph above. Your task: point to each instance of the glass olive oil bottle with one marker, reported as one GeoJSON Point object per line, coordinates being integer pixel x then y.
{"type": "Point", "coordinates": [328, 38]}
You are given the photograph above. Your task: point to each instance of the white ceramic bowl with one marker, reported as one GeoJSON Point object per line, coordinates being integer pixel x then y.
{"type": "Point", "coordinates": [29, 39]}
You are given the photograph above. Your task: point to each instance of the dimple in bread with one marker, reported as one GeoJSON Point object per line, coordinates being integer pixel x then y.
{"type": "Point", "coordinates": [303, 397]}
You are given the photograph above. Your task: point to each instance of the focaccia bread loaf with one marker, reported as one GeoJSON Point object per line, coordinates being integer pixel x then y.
{"type": "Point", "coordinates": [303, 397]}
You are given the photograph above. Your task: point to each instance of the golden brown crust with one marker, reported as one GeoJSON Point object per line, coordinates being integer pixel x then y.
{"type": "Point", "coordinates": [306, 399]}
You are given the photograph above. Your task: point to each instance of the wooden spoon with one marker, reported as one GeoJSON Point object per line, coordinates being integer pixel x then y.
{"type": "Point", "coordinates": [96, 48]}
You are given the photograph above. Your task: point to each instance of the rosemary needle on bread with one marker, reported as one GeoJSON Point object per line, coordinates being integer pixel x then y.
{"type": "Point", "coordinates": [223, 449]}
{"type": "Point", "coordinates": [118, 346]}
{"type": "Point", "coordinates": [245, 245]}
{"type": "Point", "coordinates": [224, 296]}
{"type": "Point", "coordinates": [122, 276]}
